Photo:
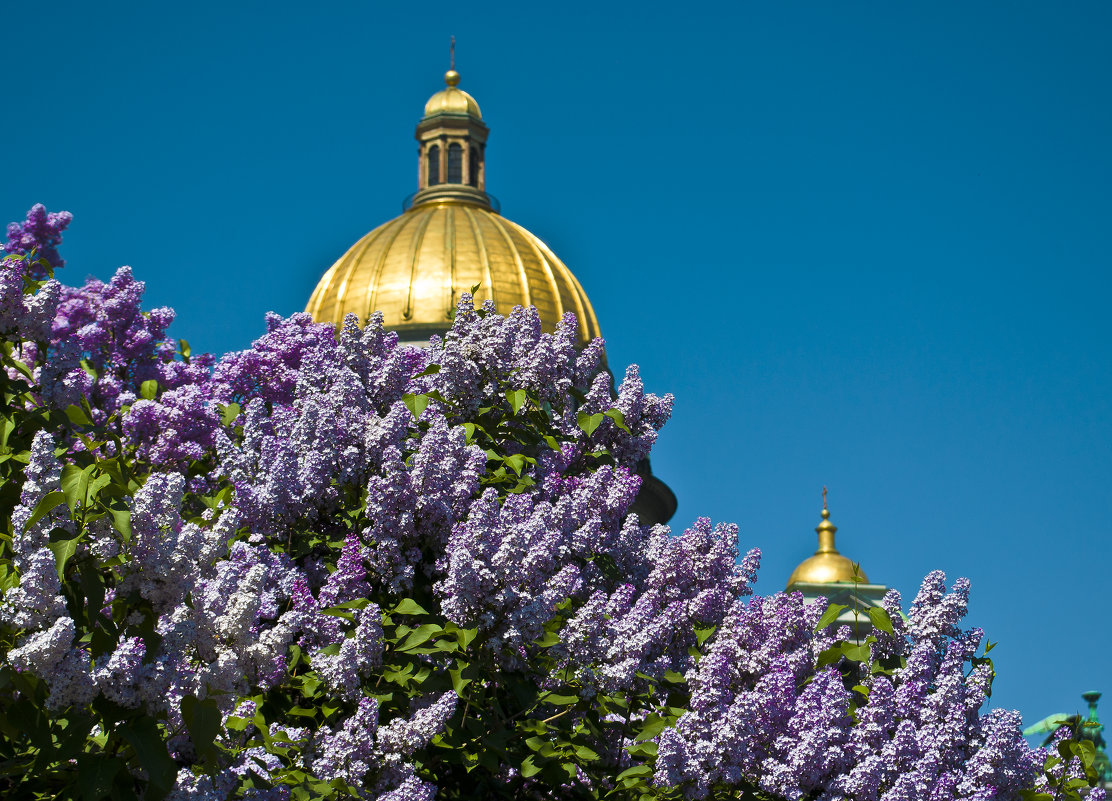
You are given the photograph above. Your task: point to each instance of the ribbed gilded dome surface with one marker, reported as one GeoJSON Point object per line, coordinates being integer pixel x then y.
{"type": "Point", "coordinates": [414, 267]}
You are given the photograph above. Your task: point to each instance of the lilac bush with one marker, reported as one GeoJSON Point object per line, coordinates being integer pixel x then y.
{"type": "Point", "coordinates": [333, 566]}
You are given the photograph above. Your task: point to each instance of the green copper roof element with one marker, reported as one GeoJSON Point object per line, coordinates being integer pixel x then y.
{"type": "Point", "coordinates": [1088, 728]}
{"type": "Point", "coordinates": [1049, 724]}
{"type": "Point", "coordinates": [1091, 729]}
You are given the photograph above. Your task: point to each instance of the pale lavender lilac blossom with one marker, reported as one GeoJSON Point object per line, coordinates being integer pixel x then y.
{"type": "Point", "coordinates": [762, 714]}
{"type": "Point", "coordinates": [28, 317]}
{"type": "Point", "coordinates": [37, 600]}
{"type": "Point", "coordinates": [360, 748]}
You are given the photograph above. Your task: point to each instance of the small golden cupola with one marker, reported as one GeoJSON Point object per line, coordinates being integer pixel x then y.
{"type": "Point", "coordinates": [827, 565]}
{"type": "Point", "coordinates": [834, 578]}
{"type": "Point", "coordinates": [450, 238]}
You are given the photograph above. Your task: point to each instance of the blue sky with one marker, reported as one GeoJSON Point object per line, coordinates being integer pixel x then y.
{"type": "Point", "coordinates": [866, 245]}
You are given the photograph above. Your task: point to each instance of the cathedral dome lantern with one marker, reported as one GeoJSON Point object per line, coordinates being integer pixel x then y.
{"type": "Point", "coordinates": [452, 139]}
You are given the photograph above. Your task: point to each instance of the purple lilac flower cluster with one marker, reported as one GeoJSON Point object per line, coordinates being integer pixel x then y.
{"type": "Point", "coordinates": [764, 711]}
{"type": "Point", "coordinates": [29, 315]}
{"type": "Point", "coordinates": [39, 235]}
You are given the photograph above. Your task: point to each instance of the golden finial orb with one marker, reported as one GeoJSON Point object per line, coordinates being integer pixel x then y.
{"type": "Point", "coordinates": [451, 77]}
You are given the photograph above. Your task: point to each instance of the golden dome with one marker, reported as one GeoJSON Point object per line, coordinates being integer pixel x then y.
{"type": "Point", "coordinates": [827, 566]}
{"type": "Point", "coordinates": [414, 268]}
{"type": "Point", "coordinates": [452, 100]}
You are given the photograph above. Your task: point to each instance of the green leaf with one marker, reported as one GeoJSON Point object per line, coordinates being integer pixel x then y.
{"type": "Point", "coordinates": [542, 747]}
{"type": "Point", "coordinates": [642, 750]}
{"type": "Point", "coordinates": [420, 636]}
{"type": "Point", "coordinates": [229, 413]}
{"type": "Point", "coordinates": [1087, 752]}
{"type": "Point", "coordinates": [121, 519]}
{"type": "Point", "coordinates": [618, 418]}
{"type": "Point", "coordinates": [8, 579]}
{"type": "Point", "coordinates": [95, 773]}
{"type": "Point", "coordinates": [45, 505]}
{"type": "Point", "coordinates": [516, 462]}
{"type": "Point", "coordinates": [588, 422]}
{"type": "Point", "coordinates": [234, 723]}
{"type": "Point", "coordinates": [463, 636]}
{"type": "Point", "coordinates": [702, 634]}
{"type": "Point", "coordinates": [63, 551]}
{"type": "Point", "coordinates": [432, 369]}
{"type": "Point", "coordinates": [458, 682]}
{"type": "Point", "coordinates": [560, 700]}
{"type": "Point", "coordinates": [77, 416]}
{"type": "Point", "coordinates": [605, 562]}
{"type": "Point", "coordinates": [674, 677]}
{"type": "Point", "coordinates": [184, 349]}
{"type": "Point", "coordinates": [202, 718]}
{"type": "Point", "coordinates": [585, 753]}
{"type": "Point", "coordinates": [636, 770]}
{"type": "Point", "coordinates": [517, 398]}
{"type": "Point", "coordinates": [148, 743]}
{"type": "Point", "coordinates": [303, 711]}
{"type": "Point", "coordinates": [92, 585]}
{"type": "Point", "coordinates": [830, 656]}
{"type": "Point", "coordinates": [75, 484]}
{"type": "Point", "coordinates": [528, 767]}
{"type": "Point", "coordinates": [830, 615]}
{"type": "Point", "coordinates": [95, 486]}
{"type": "Point", "coordinates": [148, 389]}
{"type": "Point", "coordinates": [469, 430]}
{"type": "Point", "coordinates": [415, 403]}
{"type": "Point", "coordinates": [881, 619]}
{"type": "Point", "coordinates": [653, 725]}
{"type": "Point", "coordinates": [856, 653]}
{"type": "Point", "coordinates": [23, 368]}
{"type": "Point", "coordinates": [407, 606]}
{"type": "Point", "coordinates": [356, 603]}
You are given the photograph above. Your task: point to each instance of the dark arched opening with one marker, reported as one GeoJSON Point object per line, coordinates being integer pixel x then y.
{"type": "Point", "coordinates": [434, 165]}
{"type": "Point", "coordinates": [455, 163]}
{"type": "Point", "coordinates": [473, 165]}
